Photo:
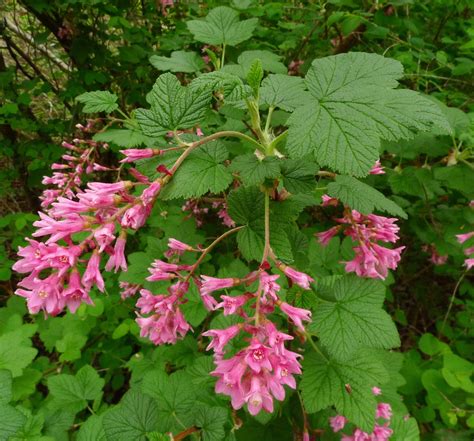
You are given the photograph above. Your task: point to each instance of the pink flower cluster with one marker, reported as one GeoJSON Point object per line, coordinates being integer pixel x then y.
{"type": "Point", "coordinates": [381, 432]}
{"type": "Point", "coordinates": [223, 214]}
{"type": "Point", "coordinates": [80, 226]}
{"type": "Point", "coordinates": [78, 162]}
{"type": "Point", "coordinates": [435, 258]}
{"type": "Point", "coordinates": [166, 322]}
{"type": "Point", "coordinates": [469, 262]}
{"type": "Point", "coordinates": [196, 210]}
{"type": "Point", "coordinates": [256, 375]}
{"type": "Point", "coordinates": [371, 259]}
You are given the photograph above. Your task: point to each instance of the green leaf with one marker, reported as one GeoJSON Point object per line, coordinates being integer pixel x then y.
{"type": "Point", "coordinates": [125, 138]}
{"type": "Point", "coordinates": [345, 385]}
{"type": "Point", "coordinates": [5, 386]}
{"type": "Point", "coordinates": [355, 319]}
{"type": "Point", "coordinates": [404, 429]}
{"type": "Point", "coordinates": [229, 86]}
{"type": "Point", "coordinates": [254, 171]}
{"type": "Point", "coordinates": [179, 61]}
{"type": "Point", "coordinates": [57, 423]}
{"type": "Point", "coordinates": [354, 105]}
{"type": "Point", "coordinates": [255, 75]}
{"type": "Point", "coordinates": [283, 91]}
{"type": "Point", "coordinates": [194, 310]}
{"type": "Point", "coordinates": [16, 352]}
{"type": "Point", "coordinates": [10, 422]}
{"type": "Point", "coordinates": [211, 421]}
{"type": "Point", "coordinates": [70, 346]}
{"type": "Point", "coordinates": [26, 384]}
{"type": "Point", "coordinates": [362, 197]}
{"type": "Point", "coordinates": [202, 172]}
{"type": "Point", "coordinates": [98, 101]}
{"type": "Point", "coordinates": [460, 177]}
{"type": "Point", "coordinates": [222, 26]}
{"type": "Point", "coordinates": [175, 397]}
{"type": "Point", "coordinates": [72, 392]}
{"type": "Point", "coordinates": [172, 107]}
{"type": "Point", "coordinates": [432, 346]}
{"type": "Point", "coordinates": [246, 207]}
{"type": "Point", "coordinates": [92, 430]}
{"type": "Point", "coordinates": [270, 62]}
{"type": "Point", "coordinates": [157, 436]}
{"type": "Point", "coordinates": [299, 175]}
{"type": "Point", "coordinates": [132, 419]}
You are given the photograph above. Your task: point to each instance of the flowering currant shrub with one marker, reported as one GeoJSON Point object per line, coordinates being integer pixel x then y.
{"type": "Point", "coordinates": [230, 166]}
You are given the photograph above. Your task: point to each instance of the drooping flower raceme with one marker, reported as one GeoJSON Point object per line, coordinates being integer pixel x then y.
{"type": "Point", "coordinates": [255, 375]}
{"type": "Point", "coordinates": [469, 251]}
{"type": "Point", "coordinates": [371, 259]}
{"type": "Point", "coordinates": [79, 226]}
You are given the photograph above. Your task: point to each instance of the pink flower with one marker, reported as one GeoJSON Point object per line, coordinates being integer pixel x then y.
{"type": "Point", "coordinates": [211, 284]}
{"type": "Point", "coordinates": [258, 397]}
{"type": "Point", "coordinates": [133, 155]}
{"type": "Point", "coordinates": [64, 207]}
{"type": "Point", "coordinates": [220, 338]}
{"type": "Point", "coordinates": [337, 423]}
{"type": "Point", "coordinates": [297, 277]}
{"type": "Point", "coordinates": [384, 410]}
{"type": "Point", "coordinates": [167, 325]}
{"type": "Point", "coordinates": [269, 286]}
{"type": "Point", "coordinates": [102, 188]}
{"type": "Point", "coordinates": [75, 294]}
{"type": "Point", "coordinates": [160, 265]}
{"type": "Point", "coordinates": [147, 301]}
{"type": "Point", "coordinates": [373, 260]}
{"type": "Point", "coordinates": [381, 433]}
{"type": "Point", "coordinates": [469, 263]}
{"type": "Point", "coordinates": [296, 314]}
{"type": "Point", "coordinates": [376, 391]}
{"type": "Point", "coordinates": [42, 295]}
{"type": "Point", "coordinates": [128, 289]}
{"type": "Point", "coordinates": [157, 275]}
{"type": "Point", "coordinates": [117, 259]}
{"type": "Point", "coordinates": [92, 275]}
{"type": "Point", "coordinates": [377, 169]}
{"type": "Point", "coordinates": [150, 193]}
{"type": "Point", "coordinates": [226, 219]}
{"type": "Point", "coordinates": [359, 435]}
{"type": "Point", "coordinates": [176, 245]}
{"type": "Point", "coordinates": [436, 258]}
{"type": "Point", "coordinates": [104, 235]}
{"type": "Point", "coordinates": [258, 373]}
{"type": "Point", "coordinates": [257, 357]}
{"type": "Point", "coordinates": [199, 132]}
{"type": "Point", "coordinates": [325, 236]}
{"type": "Point", "coordinates": [161, 270]}
{"type": "Point", "coordinates": [210, 303]}
{"type": "Point", "coordinates": [329, 201]}
{"type": "Point", "coordinates": [464, 237]}
{"type": "Point", "coordinates": [232, 304]}
{"type": "Point", "coordinates": [58, 229]}
{"type": "Point", "coordinates": [135, 216]}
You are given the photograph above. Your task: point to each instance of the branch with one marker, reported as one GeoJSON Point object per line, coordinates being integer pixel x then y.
{"type": "Point", "coordinates": [36, 69]}
{"type": "Point", "coordinates": [41, 48]}
{"type": "Point", "coordinates": [346, 43]}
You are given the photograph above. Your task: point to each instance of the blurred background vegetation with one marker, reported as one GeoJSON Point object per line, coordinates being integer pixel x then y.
{"type": "Point", "coordinates": [53, 50]}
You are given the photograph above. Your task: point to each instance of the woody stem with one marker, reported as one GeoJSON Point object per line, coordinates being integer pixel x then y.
{"type": "Point", "coordinates": [266, 252]}
{"type": "Point", "coordinates": [205, 251]}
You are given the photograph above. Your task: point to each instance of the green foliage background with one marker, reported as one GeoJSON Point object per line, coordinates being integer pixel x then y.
{"type": "Point", "coordinates": [89, 376]}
